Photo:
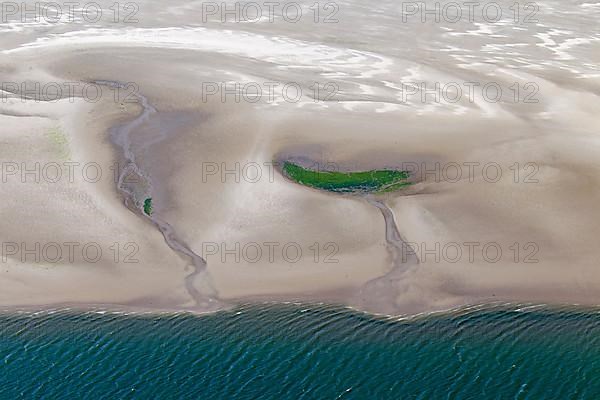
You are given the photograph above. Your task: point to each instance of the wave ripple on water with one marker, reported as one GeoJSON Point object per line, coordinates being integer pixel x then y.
{"type": "Point", "coordinates": [302, 352]}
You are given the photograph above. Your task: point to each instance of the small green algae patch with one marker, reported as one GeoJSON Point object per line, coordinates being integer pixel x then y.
{"type": "Point", "coordinates": [376, 181]}
{"type": "Point", "coordinates": [148, 206]}
{"type": "Point", "coordinates": [59, 140]}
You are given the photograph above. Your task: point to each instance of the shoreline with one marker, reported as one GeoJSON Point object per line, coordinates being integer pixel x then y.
{"type": "Point", "coordinates": [140, 311]}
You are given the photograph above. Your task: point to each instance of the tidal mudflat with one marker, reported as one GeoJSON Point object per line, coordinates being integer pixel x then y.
{"type": "Point", "coordinates": [442, 200]}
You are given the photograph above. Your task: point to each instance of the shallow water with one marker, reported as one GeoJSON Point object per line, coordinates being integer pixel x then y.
{"type": "Point", "coordinates": [302, 352]}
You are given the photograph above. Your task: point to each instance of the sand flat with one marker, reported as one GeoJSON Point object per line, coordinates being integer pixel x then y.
{"type": "Point", "coordinates": [542, 212]}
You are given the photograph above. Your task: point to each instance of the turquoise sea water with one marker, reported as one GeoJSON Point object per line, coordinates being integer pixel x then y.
{"type": "Point", "coordinates": [302, 352]}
